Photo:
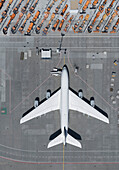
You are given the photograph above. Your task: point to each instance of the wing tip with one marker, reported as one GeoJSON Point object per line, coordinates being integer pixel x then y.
{"type": "Point", "coordinates": [107, 121]}
{"type": "Point", "coordinates": [21, 121]}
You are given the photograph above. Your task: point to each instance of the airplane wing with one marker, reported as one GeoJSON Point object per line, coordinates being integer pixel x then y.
{"type": "Point", "coordinates": [51, 104]}
{"type": "Point", "coordinates": [77, 104]}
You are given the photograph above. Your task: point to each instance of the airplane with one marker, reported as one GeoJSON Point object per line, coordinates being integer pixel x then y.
{"type": "Point", "coordinates": [64, 99]}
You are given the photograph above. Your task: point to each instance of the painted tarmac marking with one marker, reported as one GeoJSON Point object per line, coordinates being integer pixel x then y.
{"type": "Point", "coordinates": [9, 88]}
{"type": "Point", "coordinates": [71, 35]}
{"type": "Point", "coordinates": [64, 59]}
{"type": "Point", "coordinates": [90, 86]}
{"type": "Point", "coordinates": [35, 89]}
{"type": "Point", "coordinates": [63, 156]}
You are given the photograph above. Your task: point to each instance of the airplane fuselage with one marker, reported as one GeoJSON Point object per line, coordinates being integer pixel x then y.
{"type": "Point", "coordinates": [64, 100]}
{"type": "Point", "coordinates": [64, 107]}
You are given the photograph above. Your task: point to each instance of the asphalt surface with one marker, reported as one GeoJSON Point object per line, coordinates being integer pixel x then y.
{"type": "Point", "coordinates": [23, 80]}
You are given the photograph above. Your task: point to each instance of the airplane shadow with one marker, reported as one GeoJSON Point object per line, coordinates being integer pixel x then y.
{"type": "Point", "coordinates": [70, 131]}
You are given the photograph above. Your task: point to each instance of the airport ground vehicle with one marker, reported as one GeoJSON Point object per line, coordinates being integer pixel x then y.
{"type": "Point", "coordinates": [80, 2]}
{"type": "Point", "coordinates": [23, 11]}
{"type": "Point", "coordinates": [33, 22]}
{"type": "Point", "coordinates": [36, 16]}
{"type": "Point", "coordinates": [50, 6]}
{"type": "Point", "coordinates": [59, 6]}
{"type": "Point", "coordinates": [109, 22]}
{"type": "Point", "coordinates": [71, 18]}
{"type": "Point", "coordinates": [64, 10]}
{"type": "Point", "coordinates": [5, 29]}
{"type": "Point", "coordinates": [107, 13]}
{"type": "Point", "coordinates": [32, 9]}
{"type": "Point", "coordinates": [15, 11]}
{"type": "Point", "coordinates": [66, 27]}
{"type": "Point", "coordinates": [1, 3]}
{"type": "Point", "coordinates": [66, 16]}
{"type": "Point", "coordinates": [4, 13]}
{"type": "Point", "coordinates": [24, 23]}
{"type": "Point", "coordinates": [77, 23]}
{"type": "Point", "coordinates": [38, 28]}
{"type": "Point", "coordinates": [45, 30]}
{"type": "Point", "coordinates": [115, 26]}
{"type": "Point", "coordinates": [13, 29]}
{"type": "Point", "coordinates": [83, 23]}
{"type": "Point", "coordinates": [85, 6]}
{"type": "Point", "coordinates": [94, 4]}
{"type": "Point", "coordinates": [55, 25]}
{"type": "Point", "coordinates": [30, 28]}
{"type": "Point", "coordinates": [61, 24]}
{"type": "Point", "coordinates": [101, 9]}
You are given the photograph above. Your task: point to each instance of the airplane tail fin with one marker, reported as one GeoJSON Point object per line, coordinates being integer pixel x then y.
{"type": "Point", "coordinates": [59, 139]}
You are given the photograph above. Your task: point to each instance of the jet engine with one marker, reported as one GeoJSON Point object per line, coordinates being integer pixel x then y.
{"type": "Point", "coordinates": [48, 93]}
{"type": "Point", "coordinates": [36, 102]}
{"type": "Point", "coordinates": [80, 93]}
{"type": "Point", "coordinates": [92, 101]}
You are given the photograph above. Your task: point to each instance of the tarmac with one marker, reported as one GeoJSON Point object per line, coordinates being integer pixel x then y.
{"type": "Point", "coordinates": [23, 80]}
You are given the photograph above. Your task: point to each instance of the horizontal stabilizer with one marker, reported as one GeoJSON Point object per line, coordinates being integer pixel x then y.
{"type": "Point", "coordinates": [72, 141]}
{"type": "Point", "coordinates": [55, 141]}
{"type": "Point", "coordinates": [54, 135]}
{"type": "Point", "coordinates": [74, 134]}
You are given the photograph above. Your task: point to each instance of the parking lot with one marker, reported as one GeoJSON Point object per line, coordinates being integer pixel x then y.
{"type": "Point", "coordinates": [34, 17]}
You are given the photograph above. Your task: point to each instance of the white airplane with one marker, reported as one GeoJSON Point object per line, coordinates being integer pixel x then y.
{"type": "Point", "coordinates": [63, 100]}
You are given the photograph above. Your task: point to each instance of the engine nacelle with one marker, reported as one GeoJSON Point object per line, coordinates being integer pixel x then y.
{"type": "Point", "coordinates": [48, 93]}
{"type": "Point", "coordinates": [92, 101]}
{"type": "Point", "coordinates": [36, 102]}
{"type": "Point", "coordinates": [80, 93]}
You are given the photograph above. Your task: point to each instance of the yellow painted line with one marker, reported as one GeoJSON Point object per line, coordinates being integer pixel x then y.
{"type": "Point", "coordinates": [63, 156]}
{"type": "Point", "coordinates": [64, 59]}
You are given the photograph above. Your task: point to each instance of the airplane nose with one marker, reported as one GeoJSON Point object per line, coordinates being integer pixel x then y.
{"type": "Point", "coordinates": [65, 66]}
